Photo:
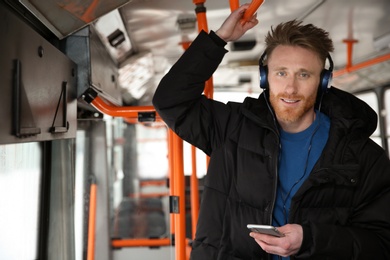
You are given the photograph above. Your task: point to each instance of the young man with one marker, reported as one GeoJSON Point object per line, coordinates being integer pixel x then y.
{"type": "Point", "coordinates": [299, 157]}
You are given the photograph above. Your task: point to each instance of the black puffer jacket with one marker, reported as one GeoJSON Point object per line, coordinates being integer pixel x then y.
{"type": "Point", "coordinates": [344, 205]}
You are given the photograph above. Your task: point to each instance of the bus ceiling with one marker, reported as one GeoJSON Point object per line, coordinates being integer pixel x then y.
{"type": "Point", "coordinates": [143, 37]}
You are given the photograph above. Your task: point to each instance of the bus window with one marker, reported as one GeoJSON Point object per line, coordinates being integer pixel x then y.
{"type": "Point", "coordinates": [371, 99]}
{"type": "Point", "coordinates": [20, 182]}
{"type": "Point", "coordinates": [152, 148]}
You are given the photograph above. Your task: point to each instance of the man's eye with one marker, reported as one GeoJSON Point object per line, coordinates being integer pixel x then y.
{"type": "Point", "coordinates": [281, 73]}
{"type": "Point", "coordinates": [304, 75]}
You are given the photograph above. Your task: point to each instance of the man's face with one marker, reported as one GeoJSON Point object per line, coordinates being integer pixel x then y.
{"type": "Point", "coordinates": [293, 76]}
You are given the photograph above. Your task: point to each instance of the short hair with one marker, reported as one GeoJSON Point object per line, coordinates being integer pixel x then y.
{"type": "Point", "coordinates": [293, 33]}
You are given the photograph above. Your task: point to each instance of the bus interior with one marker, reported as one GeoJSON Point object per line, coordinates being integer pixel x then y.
{"type": "Point", "coordinates": [88, 170]}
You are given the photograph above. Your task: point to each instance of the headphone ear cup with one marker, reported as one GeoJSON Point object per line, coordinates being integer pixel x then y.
{"type": "Point", "coordinates": [263, 76]}
{"type": "Point", "coordinates": [325, 81]}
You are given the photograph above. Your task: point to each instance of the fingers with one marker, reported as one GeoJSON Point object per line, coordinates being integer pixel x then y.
{"type": "Point", "coordinates": [249, 24]}
{"type": "Point", "coordinates": [283, 246]}
{"type": "Point", "coordinates": [267, 239]}
{"type": "Point", "coordinates": [233, 27]}
{"type": "Point", "coordinates": [272, 249]}
{"type": "Point", "coordinates": [266, 242]}
{"type": "Point", "coordinates": [239, 13]}
{"type": "Point", "coordinates": [244, 19]}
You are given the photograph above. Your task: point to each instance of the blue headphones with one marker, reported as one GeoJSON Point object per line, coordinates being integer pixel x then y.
{"type": "Point", "coordinates": [325, 81]}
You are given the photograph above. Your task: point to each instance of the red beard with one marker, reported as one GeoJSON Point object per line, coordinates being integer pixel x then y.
{"type": "Point", "coordinates": [294, 113]}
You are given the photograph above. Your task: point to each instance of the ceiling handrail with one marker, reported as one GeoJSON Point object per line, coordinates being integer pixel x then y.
{"type": "Point", "coordinates": [362, 65]}
{"type": "Point", "coordinates": [252, 8]}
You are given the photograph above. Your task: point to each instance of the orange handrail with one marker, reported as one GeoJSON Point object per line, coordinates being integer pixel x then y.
{"type": "Point", "coordinates": [194, 193]}
{"type": "Point", "coordinates": [179, 191]}
{"type": "Point", "coordinates": [171, 174]}
{"type": "Point", "coordinates": [362, 65]}
{"type": "Point", "coordinates": [140, 242]}
{"type": "Point", "coordinates": [234, 4]}
{"type": "Point", "coordinates": [91, 97]}
{"type": "Point", "coordinates": [90, 13]}
{"type": "Point", "coordinates": [350, 43]}
{"type": "Point", "coordinates": [202, 21]}
{"type": "Point", "coordinates": [252, 8]}
{"type": "Point", "coordinates": [144, 183]}
{"type": "Point", "coordinates": [124, 111]}
{"type": "Point", "coordinates": [92, 221]}
{"type": "Point", "coordinates": [157, 123]}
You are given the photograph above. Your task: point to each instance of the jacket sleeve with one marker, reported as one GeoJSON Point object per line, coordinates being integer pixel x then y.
{"type": "Point", "coordinates": [367, 233]}
{"type": "Point", "coordinates": [179, 100]}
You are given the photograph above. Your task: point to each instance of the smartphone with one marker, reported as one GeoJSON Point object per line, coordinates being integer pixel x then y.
{"type": "Point", "coordinates": [265, 229]}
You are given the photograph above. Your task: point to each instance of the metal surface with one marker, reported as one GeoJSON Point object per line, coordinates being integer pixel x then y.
{"type": "Point", "coordinates": [95, 66]}
{"type": "Point", "coordinates": [38, 99]}
{"type": "Point", "coordinates": [64, 17]}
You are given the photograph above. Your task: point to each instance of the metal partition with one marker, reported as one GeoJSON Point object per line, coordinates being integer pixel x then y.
{"type": "Point", "coordinates": [38, 87]}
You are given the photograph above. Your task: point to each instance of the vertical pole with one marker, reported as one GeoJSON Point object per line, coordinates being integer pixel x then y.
{"type": "Point", "coordinates": [350, 43]}
{"type": "Point", "coordinates": [92, 220]}
{"type": "Point", "coordinates": [179, 191]}
{"type": "Point", "coordinates": [194, 193]}
{"type": "Point", "coordinates": [171, 176]}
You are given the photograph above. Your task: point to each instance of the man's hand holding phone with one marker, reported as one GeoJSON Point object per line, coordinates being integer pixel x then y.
{"type": "Point", "coordinates": [283, 241]}
{"type": "Point", "coordinates": [265, 229]}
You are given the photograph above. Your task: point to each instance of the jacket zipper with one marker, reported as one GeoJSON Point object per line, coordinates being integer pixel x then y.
{"type": "Point", "coordinates": [275, 158]}
{"type": "Point", "coordinates": [275, 161]}
{"type": "Point", "coordinates": [275, 186]}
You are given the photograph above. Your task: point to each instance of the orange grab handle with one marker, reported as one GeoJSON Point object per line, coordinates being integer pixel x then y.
{"type": "Point", "coordinates": [253, 6]}
{"type": "Point", "coordinates": [234, 4]}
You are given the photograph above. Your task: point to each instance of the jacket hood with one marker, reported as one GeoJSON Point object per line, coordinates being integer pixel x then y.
{"type": "Point", "coordinates": [259, 110]}
{"type": "Point", "coordinates": [350, 112]}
